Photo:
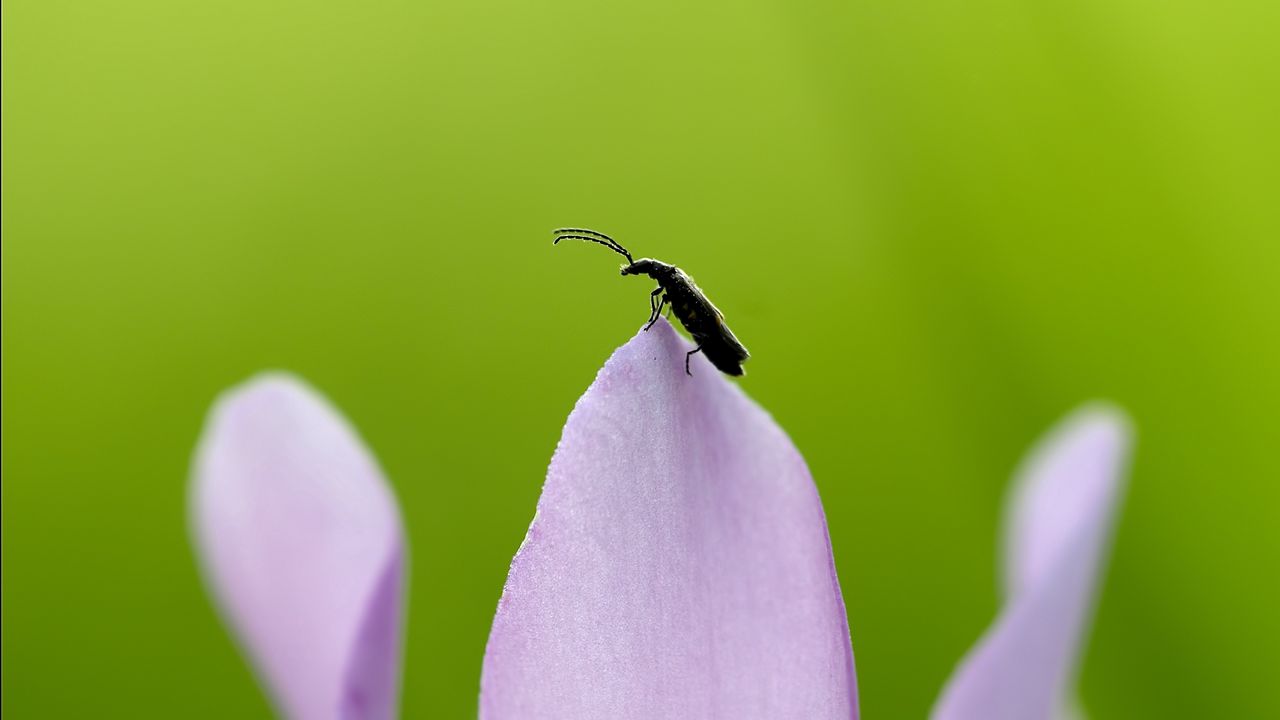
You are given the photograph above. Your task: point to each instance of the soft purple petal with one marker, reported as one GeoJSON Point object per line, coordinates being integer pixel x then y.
{"type": "Point", "coordinates": [1057, 534]}
{"type": "Point", "coordinates": [678, 565]}
{"type": "Point", "coordinates": [299, 537]}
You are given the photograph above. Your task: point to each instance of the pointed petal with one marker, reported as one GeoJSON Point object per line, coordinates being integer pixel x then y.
{"type": "Point", "coordinates": [678, 565]}
{"type": "Point", "coordinates": [1057, 535]}
{"type": "Point", "coordinates": [299, 538]}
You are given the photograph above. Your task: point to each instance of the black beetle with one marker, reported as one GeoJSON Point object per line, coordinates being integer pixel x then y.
{"type": "Point", "coordinates": [702, 319]}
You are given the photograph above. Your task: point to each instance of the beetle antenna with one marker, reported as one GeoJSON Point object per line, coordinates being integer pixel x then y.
{"type": "Point", "coordinates": [593, 233]}
{"type": "Point", "coordinates": [598, 238]}
{"type": "Point", "coordinates": [612, 246]}
{"type": "Point", "coordinates": [584, 231]}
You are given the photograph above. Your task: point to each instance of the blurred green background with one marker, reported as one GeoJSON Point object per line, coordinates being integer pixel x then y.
{"type": "Point", "coordinates": [938, 226]}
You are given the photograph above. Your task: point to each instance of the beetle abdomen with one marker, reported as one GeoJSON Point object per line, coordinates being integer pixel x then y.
{"type": "Point", "coordinates": [725, 360]}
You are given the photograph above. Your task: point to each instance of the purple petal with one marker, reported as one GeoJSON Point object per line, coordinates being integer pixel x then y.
{"type": "Point", "coordinates": [1057, 535]}
{"type": "Point", "coordinates": [299, 538]}
{"type": "Point", "coordinates": [678, 565]}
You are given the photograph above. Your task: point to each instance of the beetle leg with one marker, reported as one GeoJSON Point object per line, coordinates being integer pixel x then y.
{"type": "Point", "coordinates": [655, 307]}
{"type": "Point", "coordinates": [686, 360]}
{"type": "Point", "coordinates": [656, 313]}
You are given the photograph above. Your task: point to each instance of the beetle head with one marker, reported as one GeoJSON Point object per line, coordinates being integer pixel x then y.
{"type": "Point", "coordinates": [643, 266]}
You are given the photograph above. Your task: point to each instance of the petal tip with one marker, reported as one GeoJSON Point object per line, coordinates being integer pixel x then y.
{"type": "Point", "coordinates": [1089, 448]}
{"type": "Point", "coordinates": [1102, 417]}
{"type": "Point", "coordinates": [267, 389]}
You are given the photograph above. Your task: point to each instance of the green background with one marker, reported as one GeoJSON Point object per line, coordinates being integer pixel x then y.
{"type": "Point", "coordinates": [938, 226]}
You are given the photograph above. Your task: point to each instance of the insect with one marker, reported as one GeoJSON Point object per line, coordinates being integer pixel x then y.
{"type": "Point", "coordinates": [676, 289]}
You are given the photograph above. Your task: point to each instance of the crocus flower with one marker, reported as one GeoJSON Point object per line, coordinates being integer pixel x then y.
{"type": "Point", "coordinates": [300, 541]}
{"type": "Point", "coordinates": [678, 565]}
{"type": "Point", "coordinates": [1056, 536]}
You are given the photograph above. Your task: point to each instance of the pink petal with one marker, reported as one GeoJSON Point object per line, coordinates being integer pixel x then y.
{"type": "Point", "coordinates": [299, 538]}
{"type": "Point", "coordinates": [678, 565]}
{"type": "Point", "coordinates": [1057, 535]}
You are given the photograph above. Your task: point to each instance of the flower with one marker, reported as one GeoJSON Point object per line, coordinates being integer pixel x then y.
{"type": "Point", "coordinates": [300, 541]}
{"type": "Point", "coordinates": [678, 564]}
{"type": "Point", "coordinates": [1057, 530]}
